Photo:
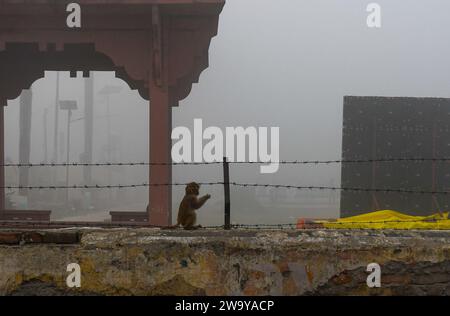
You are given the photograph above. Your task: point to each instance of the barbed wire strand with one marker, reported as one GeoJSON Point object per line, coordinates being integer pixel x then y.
{"type": "Point", "coordinates": [283, 162]}
{"type": "Point", "coordinates": [236, 184]}
{"type": "Point", "coordinates": [290, 226]}
{"type": "Point", "coordinates": [245, 185]}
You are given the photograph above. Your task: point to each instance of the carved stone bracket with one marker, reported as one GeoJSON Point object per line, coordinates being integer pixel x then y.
{"type": "Point", "coordinates": [119, 41]}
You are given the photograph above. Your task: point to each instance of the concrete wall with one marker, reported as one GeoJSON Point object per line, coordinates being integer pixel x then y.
{"type": "Point", "coordinates": [152, 261]}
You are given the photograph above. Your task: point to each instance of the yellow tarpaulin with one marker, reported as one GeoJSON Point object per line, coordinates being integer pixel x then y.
{"type": "Point", "coordinates": [390, 220]}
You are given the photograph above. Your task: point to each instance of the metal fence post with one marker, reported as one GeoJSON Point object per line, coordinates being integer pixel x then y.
{"type": "Point", "coordinates": [226, 184]}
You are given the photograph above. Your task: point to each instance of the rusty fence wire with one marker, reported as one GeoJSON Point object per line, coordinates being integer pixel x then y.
{"type": "Point", "coordinates": [236, 184]}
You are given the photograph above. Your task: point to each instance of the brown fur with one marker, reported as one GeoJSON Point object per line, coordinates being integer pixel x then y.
{"type": "Point", "coordinates": [187, 217]}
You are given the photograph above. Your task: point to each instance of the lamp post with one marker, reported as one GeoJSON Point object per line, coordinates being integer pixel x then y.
{"type": "Point", "coordinates": [45, 136]}
{"type": "Point", "coordinates": [69, 106]}
{"type": "Point", "coordinates": [107, 91]}
{"type": "Point", "coordinates": [55, 137]}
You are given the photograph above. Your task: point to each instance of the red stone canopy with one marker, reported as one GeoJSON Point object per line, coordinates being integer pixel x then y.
{"type": "Point", "coordinates": [159, 47]}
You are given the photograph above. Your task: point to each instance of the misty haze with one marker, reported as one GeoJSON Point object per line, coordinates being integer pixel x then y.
{"type": "Point", "coordinates": [282, 63]}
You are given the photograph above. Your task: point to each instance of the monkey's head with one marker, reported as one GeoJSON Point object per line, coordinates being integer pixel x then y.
{"type": "Point", "coordinates": [192, 189]}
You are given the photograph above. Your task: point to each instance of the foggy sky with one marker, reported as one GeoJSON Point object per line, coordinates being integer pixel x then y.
{"type": "Point", "coordinates": [285, 63]}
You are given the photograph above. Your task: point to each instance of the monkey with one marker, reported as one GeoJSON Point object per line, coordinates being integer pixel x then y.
{"type": "Point", "coordinates": [190, 203]}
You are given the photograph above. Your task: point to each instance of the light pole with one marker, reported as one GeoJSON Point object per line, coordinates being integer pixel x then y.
{"type": "Point", "coordinates": [55, 133]}
{"type": "Point", "coordinates": [45, 136]}
{"type": "Point", "coordinates": [55, 137]}
{"type": "Point", "coordinates": [68, 105]}
{"type": "Point", "coordinates": [107, 91]}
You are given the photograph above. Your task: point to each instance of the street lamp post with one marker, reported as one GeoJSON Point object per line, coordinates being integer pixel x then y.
{"type": "Point", "coordinates": [107, 91]}
{"type": "Point", "coordinates": [69, 106]}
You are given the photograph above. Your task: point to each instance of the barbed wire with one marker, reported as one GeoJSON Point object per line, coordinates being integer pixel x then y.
{"type": "Point", "coordinates": [318, 224]}
{"type": "Point", "coordinates": [305, 225]}
{"type": "Point", "coordinates": [236, 184]}
{"type": "Point", "coordinates": [343, 161]}
{"type": "Point", "coordinates": [105, 164]}
{"type": "Point", "coordinates": [354, 189]}
{"type": "Point", "coordinates": [283, 162]}
{"type": "Point", "coordinates": [104, 186]}
{"type": "Point", "coordinates": [330, 225]}
{"type": "Point", "coordinates": [321, 222]}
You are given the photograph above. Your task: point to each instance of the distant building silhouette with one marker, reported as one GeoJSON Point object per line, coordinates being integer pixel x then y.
{"type": "Point", "coordinates": [395, 127]}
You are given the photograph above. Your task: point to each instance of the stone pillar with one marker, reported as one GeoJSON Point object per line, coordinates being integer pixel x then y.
{"type": "Point", "coordinates": [160, 197]}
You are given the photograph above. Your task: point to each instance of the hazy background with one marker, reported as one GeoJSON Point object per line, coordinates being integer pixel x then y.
{"type": "Point", "coordinates": [285, 63]}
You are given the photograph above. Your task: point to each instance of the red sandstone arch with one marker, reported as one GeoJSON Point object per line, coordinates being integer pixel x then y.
{"type": "Point", "coordinates": [159, 47]}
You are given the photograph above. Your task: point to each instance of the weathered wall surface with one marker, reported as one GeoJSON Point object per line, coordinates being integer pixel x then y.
{"type": "Point", "coordinates": [158, 262]}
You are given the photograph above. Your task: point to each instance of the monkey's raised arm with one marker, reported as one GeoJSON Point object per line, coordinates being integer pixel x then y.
{"type": "Point", "coordinates": [198, 203]}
